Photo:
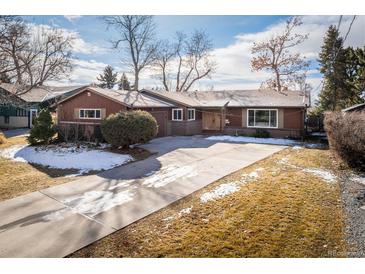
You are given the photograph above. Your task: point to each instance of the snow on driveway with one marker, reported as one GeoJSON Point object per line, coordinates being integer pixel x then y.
{"type": "Point", "coordinates": [269, 141]}
{"type": "Point", "coordinates": [168, 174]}
{"type": "Point", "coordinates": [244, 139]}
{"type": "Point", "coordinates": [82, 158]}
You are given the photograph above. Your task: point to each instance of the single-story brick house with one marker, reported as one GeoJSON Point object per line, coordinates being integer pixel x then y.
{"type": "Point", "coordinates": [18, 110]}
{"type": "Point", "coordinates": [230, 112]}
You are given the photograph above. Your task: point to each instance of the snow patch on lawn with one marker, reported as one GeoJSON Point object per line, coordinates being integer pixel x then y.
{"type": "Point", "coordinates": [358, 179]}
{"type": "Point", "coordinates": [323, 174]}
{"type": "Point", "coordinates": [219, 192]}
{"type": "Point", "coordinates": [168, 219]}
{"type": "Point", "coordinates": [182, 212]}
{"type": "Point", "coordinates": [185, 211]}
{"type": "Point", "coordinates": [284, 160]}
{"type": "Point", "coordinates": [253, 174]}
{"type": "Point", "coordinates": [68, 156]}
{"type": "Point", "coordinates": [244, 139]}
{"type": "Point", "coordinates": [169, 174]}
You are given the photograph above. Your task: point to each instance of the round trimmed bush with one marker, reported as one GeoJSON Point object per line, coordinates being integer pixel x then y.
{"type": "Point", "coordinates": [129, 127]}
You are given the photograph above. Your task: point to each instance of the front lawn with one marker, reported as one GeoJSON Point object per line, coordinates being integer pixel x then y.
{"type": "Point", "coordinates": [24, 169]}
{"type": "Point", "coordinates": [17, 178]}
{"type": "Point", "coordinates": [287, 205]}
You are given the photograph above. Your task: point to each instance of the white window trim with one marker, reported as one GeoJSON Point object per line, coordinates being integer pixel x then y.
{"type": "Point", "coordinates": [254, 119]}
{"type": "Point", "coordinates": [87, 118]}
{"type": "Point", "coordinates": [193, 109]}
{"type": "Point", "coordinates": [182, 114]}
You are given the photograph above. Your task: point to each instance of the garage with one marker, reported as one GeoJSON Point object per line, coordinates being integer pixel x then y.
{"type": "Point", "coordinates": [161, 118]}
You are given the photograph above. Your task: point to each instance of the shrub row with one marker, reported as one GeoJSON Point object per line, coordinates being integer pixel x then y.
{"type": "Point", "coordinates": [346, 135]}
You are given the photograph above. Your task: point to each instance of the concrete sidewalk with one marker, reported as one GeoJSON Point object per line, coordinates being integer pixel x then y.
{"type": "Point", "coordinates": [59, 220]}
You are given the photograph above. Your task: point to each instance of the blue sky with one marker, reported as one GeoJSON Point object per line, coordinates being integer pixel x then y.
{"type": "Point", "coordinates": [232, 37]}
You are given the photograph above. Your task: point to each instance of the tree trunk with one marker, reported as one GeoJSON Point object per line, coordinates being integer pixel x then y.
{"type": "Point", "coordinates": [136, 79]}
{"type": "Point", "coordinates": [278, 84]}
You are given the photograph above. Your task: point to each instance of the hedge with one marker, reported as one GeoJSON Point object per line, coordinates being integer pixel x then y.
{"type": "Point", "coordinates": [129, 127]}
{"type": "Point", "coordinates": [346, 135]}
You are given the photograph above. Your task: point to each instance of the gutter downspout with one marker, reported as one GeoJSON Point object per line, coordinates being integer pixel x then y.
{"type": "Point", "coordinates": [223, 116]}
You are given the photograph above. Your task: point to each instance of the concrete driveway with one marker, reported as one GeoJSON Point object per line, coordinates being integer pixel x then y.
{"type": "Point", "coordinates": [59, 220]}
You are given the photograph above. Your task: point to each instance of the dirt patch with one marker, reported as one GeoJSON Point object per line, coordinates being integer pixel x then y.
{"type": "Point", "coordinates": [270, 209]}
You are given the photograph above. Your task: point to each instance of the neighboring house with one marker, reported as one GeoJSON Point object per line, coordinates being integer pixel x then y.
{"type": "Point", "coordinates": [231, 112]}
{"type": "Point", "coordinates": [20, 109]}
{"type": "Point", "coordinates": [355, 108]}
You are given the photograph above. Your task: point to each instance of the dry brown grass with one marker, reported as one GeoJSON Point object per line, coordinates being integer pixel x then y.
{"type": "Point", "coordinates": [2, 138]}
{"type": "Point", "coordinates": [18, 178]}
{"type": "Point", "coordinates": [18, 140]}
{"type": "Point", "coordinates": [285, 212]}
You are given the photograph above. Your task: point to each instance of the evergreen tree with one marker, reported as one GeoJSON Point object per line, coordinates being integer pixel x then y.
{"type": "Point", "coordinates": [124, 83]}
{"type": "Point", "coordinates": [356, 74]}
{"type": "Point", "coordinates": [43, 129]}
{"type": "Point", "coordinates": [332, 58]}
{"type": "Point", "coordinates": [108, 78]}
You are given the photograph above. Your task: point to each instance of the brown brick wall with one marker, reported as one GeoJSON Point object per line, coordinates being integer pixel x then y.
{"type": "Point", "coordinates": [293, 118]}
{"type": "Point", "coordinates": [234, 116]}
{"type": "Point", "coordinates": [86, 99]}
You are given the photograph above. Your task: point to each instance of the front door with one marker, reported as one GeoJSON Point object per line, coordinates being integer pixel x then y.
{"type": "Point", "coordinates": [211, 120]}
{"type": "Point", "coordinates": [33, 115]}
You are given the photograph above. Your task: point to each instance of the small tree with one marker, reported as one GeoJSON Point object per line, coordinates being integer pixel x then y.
{"type": "Point", "coordinates": [108, 78]}
{"type": "Point", "coordinates": [43, 129]}
{"type": "Point", "coordinates": [130, 127]}
{"type": "Point", "coordinates": [124, 83]}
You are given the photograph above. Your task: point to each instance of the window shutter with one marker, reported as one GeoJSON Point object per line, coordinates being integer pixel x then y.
{"type": "Point", "coordinates": [76, 113]}
{"type": "Point", "coordinates": [102, 113]}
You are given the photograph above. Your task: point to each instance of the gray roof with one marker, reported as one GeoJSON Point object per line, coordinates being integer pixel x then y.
{"type": "Point", "coordinates": [132, 98]}
{"type": "Point", "coordinates": [126, 97]}
{"type": "Point", "coordinates": [39, 94]}
{"type": "Point", "coordinates": [354, 107]}
{"type": "Point", "coordinates": [236, 98]}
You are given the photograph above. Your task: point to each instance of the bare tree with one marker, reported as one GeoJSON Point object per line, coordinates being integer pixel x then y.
{"type": "Point", "coordinates": [14, 41]}
{"type": "Point", "coordinates": [30, 58]}
{"type": "Point", "coordinates": [165, 52]}
{"type": "Point", "coordinates": [191, 57]}
{"type": "Point", "coordinates": [50, 57]}
{"type": "Point", "coordinates": [276, 56]}
{"type": "Point", "coordinates": [138, 33]}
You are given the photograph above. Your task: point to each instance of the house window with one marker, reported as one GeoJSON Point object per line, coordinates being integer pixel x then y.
{"type": "Point", "coordinates": [191, 114]}
{"type": "Point", "coordinates": [177, 114]}
{"type": "Point", "coordinates": [90, 113]}
{"type": "Point", "coordinates": [262, 118]}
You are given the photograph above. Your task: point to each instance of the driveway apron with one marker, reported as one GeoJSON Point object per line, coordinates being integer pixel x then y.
{"type": "Point", "coordinates": [59, 220]}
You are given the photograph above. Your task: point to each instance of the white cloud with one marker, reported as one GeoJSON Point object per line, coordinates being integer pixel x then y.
{"type": "Point", "coordinates": [72, 18]}
{"type": "Point", "coordinates": [79, 45]}
{"type": "Point", "coordinates": [234, 70]}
